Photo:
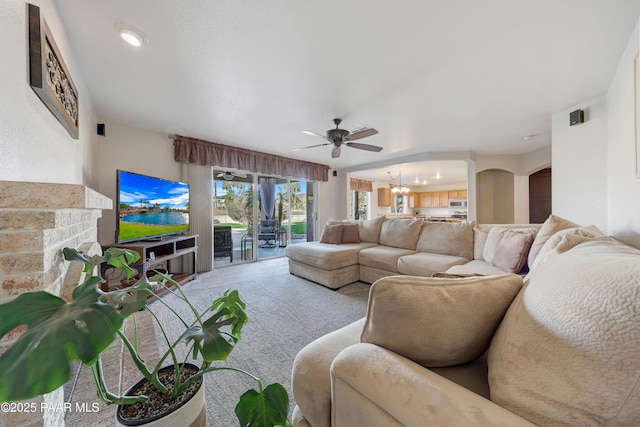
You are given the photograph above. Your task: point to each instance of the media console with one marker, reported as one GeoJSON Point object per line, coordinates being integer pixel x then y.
{"type": "Point", "coordinates": [167, 251]}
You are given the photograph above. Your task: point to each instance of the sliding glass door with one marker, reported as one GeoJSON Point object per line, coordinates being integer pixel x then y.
{"type": "Point", "coordinates": [257, 216]}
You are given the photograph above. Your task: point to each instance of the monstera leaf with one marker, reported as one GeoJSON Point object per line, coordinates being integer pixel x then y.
{"type": "Point", "coordinates": [58, 333]}
{"type": "Point", "coordinates": [267, 409]}
{"type": "Point", "coordinates": [210, 341]}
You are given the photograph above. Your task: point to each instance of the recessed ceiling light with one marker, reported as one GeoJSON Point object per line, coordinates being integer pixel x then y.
{"type": "Point", "coordinates": [131, 35]}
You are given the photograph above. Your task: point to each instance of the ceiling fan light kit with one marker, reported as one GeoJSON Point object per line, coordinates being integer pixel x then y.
{"type": "Point", "coordinates": [339, 137]}
{"type": "Point", "coordinates": [230, 176]}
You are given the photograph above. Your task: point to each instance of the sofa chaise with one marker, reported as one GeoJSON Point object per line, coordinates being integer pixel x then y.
{"type": "Point", "coordinates": [558, 346]}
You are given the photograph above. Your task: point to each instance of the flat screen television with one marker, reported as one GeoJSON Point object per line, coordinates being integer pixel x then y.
{"type": "Point", "coordinates": [150, 208]}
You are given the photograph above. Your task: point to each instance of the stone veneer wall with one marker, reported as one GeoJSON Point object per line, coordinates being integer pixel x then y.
{"type": "Point", "coordinates": [37, 220]}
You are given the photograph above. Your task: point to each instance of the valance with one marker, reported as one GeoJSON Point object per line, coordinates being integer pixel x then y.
{"type": "Point", "coordinates": [206, 153]}
{"type": "Point", "coordinates": [361, 185]}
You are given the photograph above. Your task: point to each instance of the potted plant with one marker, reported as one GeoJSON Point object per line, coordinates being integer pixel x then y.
{"type": "Point", "coordinates": [61, 332]}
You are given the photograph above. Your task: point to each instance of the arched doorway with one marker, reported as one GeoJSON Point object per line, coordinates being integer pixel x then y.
{"type": "Point", "coordinates": [540, 196]}
{"type": "Point", "coordinates": [495, 197]}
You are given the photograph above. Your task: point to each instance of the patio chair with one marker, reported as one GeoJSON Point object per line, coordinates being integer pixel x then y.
{"type": "Point", "coordinates": [268, 232]}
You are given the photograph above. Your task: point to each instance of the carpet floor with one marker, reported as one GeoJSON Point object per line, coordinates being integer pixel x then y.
{"type": "Point", "coordinates": [285, 313]}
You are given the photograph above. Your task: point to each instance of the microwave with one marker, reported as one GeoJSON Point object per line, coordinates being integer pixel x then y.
{"type": "Point", "coordinates": [458, 203]}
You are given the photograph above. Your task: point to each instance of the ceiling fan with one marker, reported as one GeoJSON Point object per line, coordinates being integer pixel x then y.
{"type": "Point", "coordinates": [229, 176]}
{"type": "Point", "coordinates": [339, 137]}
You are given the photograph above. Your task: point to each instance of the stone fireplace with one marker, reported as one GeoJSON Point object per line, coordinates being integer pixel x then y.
{"type": "Point", "coordinates": [37, 220]}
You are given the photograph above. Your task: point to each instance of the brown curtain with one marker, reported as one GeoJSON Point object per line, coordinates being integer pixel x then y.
{"type": "Point", "coordinates": [201, 152]}
{"type": "Point", "coordinates": [361, 185]}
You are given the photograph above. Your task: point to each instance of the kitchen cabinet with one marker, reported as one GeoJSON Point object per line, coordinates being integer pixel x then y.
{"type": "Point", "coordinates": [414, 200]}
{"type": "Point", "coordinates": [430, 199]}
{"type": "Point", "coordinates": [443, 199]}
{"type": "Point", "coordinates": [458, 194]}
{"type": "Point", "coordinates": [438, 199]}
{"type": "Point", "coordinates": [384, 197]}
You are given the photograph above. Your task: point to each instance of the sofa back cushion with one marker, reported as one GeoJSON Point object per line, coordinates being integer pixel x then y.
{"type": "Point", "coordinates": [566, 352]}
{"type": "Point", "coordinates": [370, 229]}
{"type": "Point", "coordinates": [447, 238]}
{"type": "Point", "coordinates": [400, 233]}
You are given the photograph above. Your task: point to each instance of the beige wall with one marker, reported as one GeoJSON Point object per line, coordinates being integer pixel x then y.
{"type": "Point", "coordinates": [623, 186]}
{"type": "Point", "coordinates": [33, 144]}
{"type": "Point", "coordinates": [132, 150]}
{"type": "Point", "coordinates": [594, 171]}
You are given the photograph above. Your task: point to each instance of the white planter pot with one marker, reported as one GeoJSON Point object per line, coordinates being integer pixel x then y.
{"type": "Point", "coordinates": [192, 413]}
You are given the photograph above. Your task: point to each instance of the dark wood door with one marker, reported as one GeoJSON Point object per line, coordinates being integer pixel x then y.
{"type": "Point", "coordinates": [540, 196]}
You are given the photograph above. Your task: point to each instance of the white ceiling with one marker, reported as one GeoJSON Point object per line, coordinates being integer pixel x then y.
{"type": "Point", "coordinates": [429, 75]}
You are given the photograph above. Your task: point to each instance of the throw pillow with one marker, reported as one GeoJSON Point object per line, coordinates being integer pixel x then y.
{"type": "Point", "coordinates": [512, 251]}
{"type": "Point", "coordinates": [566, 239]}
{"type": "Point", "coordinates": [551, 226]}
{"type": "Point", "coordinates": [350, 233]}
{"type": "Point", "coordinates": [495, 235]}
{"type": "Point", "coordinates": [437, 321]}
{"type": "Point", "coordinates": [332, 234]}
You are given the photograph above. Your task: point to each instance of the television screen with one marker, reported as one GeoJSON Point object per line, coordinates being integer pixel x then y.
{"type": "Point", "coordinates": [149, 207]}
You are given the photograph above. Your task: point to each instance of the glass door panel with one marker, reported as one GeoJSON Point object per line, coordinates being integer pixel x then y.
{"type": "Point", "coordinates": [232, 216]}
{"type": "Point", "coordinates": [301, 227]}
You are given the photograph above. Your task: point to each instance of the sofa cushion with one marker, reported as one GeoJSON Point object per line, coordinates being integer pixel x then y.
{"type": "Point", "coordinates": [476, 266]}
{"type": "Point", "coordinates": [382, 257]}
{"type": "Point", "coordinates": [332, 234]}
{"type": "Point", "coordinates": [400, 233]}
{"type": "Point", "coordinates": [551, 226]}
{"type": "Point", "coordinates": [351, 233]}
{"type": "Point", "coordinates": [311, 377]}
{"type": "Point", "coordinates": [437, 321]}
{"type": "Point", "coordinates": [447, 238]}
{"type": "Point", "coordinates": [370, 229]}
{"type": "Point", "coordinates": [426, 264]}
{"type": "Point", "coordinates": [328, 257]}
{"type": "Point", "coordinates": [512, 251]}
{"type": "Point", "coordinates": [567, 350]}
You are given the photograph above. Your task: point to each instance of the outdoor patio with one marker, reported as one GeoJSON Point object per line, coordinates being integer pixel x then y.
{"type": "Point", "coordinates": [244, 252]}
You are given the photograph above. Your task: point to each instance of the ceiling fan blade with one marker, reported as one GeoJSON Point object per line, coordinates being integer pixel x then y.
{"type": "Point", "coordinates": [240, 175]}
{"type": "Point", "coordinates": [335, 153]}
{"type": "Point", "coordinates": [362, 146]}
{"type": "Point", "coordinates": [312, 146]}
{"type": "Point", "coordinates": [361, 133]}
{"type": "Point", "coordinates": [310, 133]}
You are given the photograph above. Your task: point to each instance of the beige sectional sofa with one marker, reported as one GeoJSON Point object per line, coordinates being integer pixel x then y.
{"type": "Point", "coordinates": [558, 346]}
{"type": "Point", "coordinates": [395, 246]}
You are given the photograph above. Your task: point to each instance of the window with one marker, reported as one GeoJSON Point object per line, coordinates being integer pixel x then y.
{"type": "Point", "coordinates": [358, 204]}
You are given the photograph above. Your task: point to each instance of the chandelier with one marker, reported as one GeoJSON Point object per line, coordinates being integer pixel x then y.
{"type": "Point", "coordinates": [398, 188]}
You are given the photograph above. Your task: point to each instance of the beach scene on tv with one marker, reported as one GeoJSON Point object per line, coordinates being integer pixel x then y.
{"type": "Point", "coordinates": [151, 207]}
